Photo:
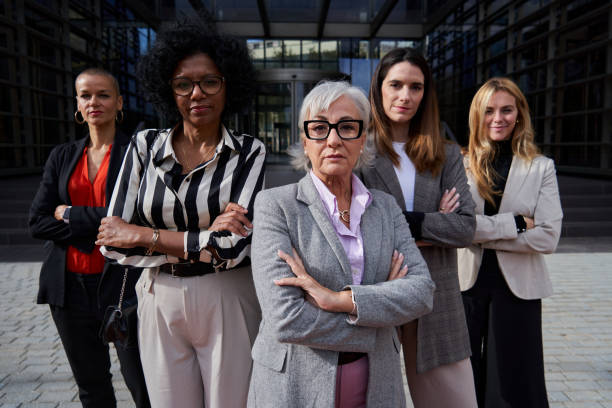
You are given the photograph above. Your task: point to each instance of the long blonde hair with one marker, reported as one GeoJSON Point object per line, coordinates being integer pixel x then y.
{"type": "Point", "coordinates": [481, 150]}
{"type": "Point", "coordinates": [425, 145]}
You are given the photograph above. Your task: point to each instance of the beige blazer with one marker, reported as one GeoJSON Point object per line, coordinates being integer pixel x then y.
{"type": "Point", "coordinates": [531, 190]}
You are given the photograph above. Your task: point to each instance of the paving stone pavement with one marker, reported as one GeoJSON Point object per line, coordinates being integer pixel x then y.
{"type": "Point", "coordinates": [577, 323]}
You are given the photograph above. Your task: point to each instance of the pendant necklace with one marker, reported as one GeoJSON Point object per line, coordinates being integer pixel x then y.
{"type": "Point", "coordinates": [344, 215]}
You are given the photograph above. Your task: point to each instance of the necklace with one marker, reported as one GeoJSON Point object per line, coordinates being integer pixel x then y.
{"type": "Point", "coordinates": [344, 215]}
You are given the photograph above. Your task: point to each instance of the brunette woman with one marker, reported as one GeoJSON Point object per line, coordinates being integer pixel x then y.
{"type": "Point", "coordinates": [425, 175]}
{"type": "Point", "coordinates": [503, 273]}
{"type": "Point", "coordinates": [75, 280]}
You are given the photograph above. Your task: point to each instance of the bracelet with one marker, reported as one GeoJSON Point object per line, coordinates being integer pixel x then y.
{"type": "Point", "coordinates": [153, 242]}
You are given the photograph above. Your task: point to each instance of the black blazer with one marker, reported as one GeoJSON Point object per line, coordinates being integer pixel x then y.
{"type": "Point", "coordinates": [82, 229]}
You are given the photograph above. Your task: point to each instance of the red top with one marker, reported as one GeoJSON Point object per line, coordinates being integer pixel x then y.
{"type": "Point", "coordinates": [84, 193]}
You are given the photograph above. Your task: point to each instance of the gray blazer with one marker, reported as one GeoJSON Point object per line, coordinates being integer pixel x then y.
{"type": "Point", "coordinates": [442, 335]}
{"type": "Point", "coordinates": [296, 351]}
{"type": "Point", "coordinates": [531, 190]}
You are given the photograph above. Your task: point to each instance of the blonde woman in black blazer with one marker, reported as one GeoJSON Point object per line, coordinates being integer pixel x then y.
{"type": "Point", "coordinates": [78, 300]}
{"type": "Point", "coordinates": [503, 273]}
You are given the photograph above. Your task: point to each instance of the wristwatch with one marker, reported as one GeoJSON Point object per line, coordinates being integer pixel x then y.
{"type": "Point", "coordinates": [66, 214]}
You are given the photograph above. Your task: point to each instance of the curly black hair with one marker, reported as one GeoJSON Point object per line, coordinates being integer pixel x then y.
{"type": "Point", "coordinates": [183, 39]}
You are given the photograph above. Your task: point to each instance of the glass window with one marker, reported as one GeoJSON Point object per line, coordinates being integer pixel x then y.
{"type": "Point", "coordinates": [329, 49]}
{"type": "Point", "coordinates": [572, 128]}
{"type": "Point", "coordinates": [385, 47]}
{"type": "Point", "coordinates": [7, 65]}
{"type": "Point", "coordinates": [533, 29]}
{"type": "Point", "coordinates": [274, 50]}
{"type": "Point", "coordinates": [349, 11]}
{"type": "Point", "coordinates": [78, 43]}
{"type": "Point", "coordinates": [495, 5]}
{"type": "Point", "coordinates": [364, 49]}
{"type": "Point", "coordinates": [594, 127]}
{"type": "Point", "coordinates": [290, 10]}
{"type": "Point", "coordinates": [531, 55]}
{"type": "Point", "coordinates": [40, 23]}
{"type": "Point", "coordinates": [573, 98]}
{"type": "Point", "coordinates": [579, 8]}
{"type": "Point", "coordinates": [497, 25]}
{"type": "Point", "coordinates": [596, 94]}
{"type": "Point", "coordinates": [497, 67]}
{"type": "Point", "coordinates": [575, 68]}
{"type": "Point", "coordinates": [236, 10]}
{"type": "Point", "coordinates": [292, 50]}
{"type": "Point", "coordinates": [597, 63]}
{"type": "Point", "coordinates": [526, 8]}
{"type": "Point", "coordinates": [497, 48]}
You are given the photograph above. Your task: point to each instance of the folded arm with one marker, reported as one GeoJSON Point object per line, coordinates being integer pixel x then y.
{"type": "Point", "coordinates": [452, 229]}
{"type": "Point", "coordinates": [547, 216]}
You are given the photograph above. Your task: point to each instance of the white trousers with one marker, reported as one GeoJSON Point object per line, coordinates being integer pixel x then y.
{"type": "Point", "coordinates": [450, 385]}
{"type": "Point", "coordinates": [195, 337]}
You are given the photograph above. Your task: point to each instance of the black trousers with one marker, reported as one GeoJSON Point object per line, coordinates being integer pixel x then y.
{"type": "Point", "coordinates": [506, 339]}
{"type": "Point", "coordinates": [78, 323]}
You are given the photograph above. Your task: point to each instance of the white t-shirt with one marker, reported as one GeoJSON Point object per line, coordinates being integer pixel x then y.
{"type": "Point", "coordinates": [406, 174]}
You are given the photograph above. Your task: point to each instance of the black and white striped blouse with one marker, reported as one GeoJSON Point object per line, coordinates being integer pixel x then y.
{"type": "Point", "coordinates": [151, 188]}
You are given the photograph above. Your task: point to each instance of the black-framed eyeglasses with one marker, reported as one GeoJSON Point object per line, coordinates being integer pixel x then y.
{"type": "Point", "coordinates": [210, 85]}
{"type": "Point", "coordinates": [347, 129]}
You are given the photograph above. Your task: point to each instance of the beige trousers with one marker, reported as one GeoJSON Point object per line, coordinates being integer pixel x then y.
{"type": "Point", "coordinates": [450, 385]}
{"type": "Point", "coordinates": [195, 337]}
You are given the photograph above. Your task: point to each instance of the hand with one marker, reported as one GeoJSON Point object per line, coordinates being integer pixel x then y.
{"type": "Point", "coordinates": [317, 294]}
{"type": "Point", "coordinates": [449, 201]}
{"type": "Point", "coordinates": [59, 212]}
{"type": "Point", "coordinates": [116, 232]}
{"type": "Point", "coordinates": [232, 219]}
{"type": "Point", "coordinates": [529, 222]}
{"type": "Point", "coordinates": [397, 271]}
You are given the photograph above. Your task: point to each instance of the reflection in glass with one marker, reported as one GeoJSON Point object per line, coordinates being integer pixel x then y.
{"type": "Point", "coordinates": [273, 115]}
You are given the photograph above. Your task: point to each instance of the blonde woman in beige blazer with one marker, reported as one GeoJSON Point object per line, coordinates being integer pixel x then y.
{"type": "Point", "coordinates": [502, 274]}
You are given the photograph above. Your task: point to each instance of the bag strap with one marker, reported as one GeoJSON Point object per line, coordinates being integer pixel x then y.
{"type": "Point", "coordinates": [125, 274]}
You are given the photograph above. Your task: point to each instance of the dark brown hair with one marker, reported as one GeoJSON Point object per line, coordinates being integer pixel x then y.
{"type": "Point", "coordinates": [425, 146]}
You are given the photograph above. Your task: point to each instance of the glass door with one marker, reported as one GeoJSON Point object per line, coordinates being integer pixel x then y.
{"type": "Point", "coordinates": [280, 93]}
{"type": "Point", "coordinates": [273, 113]}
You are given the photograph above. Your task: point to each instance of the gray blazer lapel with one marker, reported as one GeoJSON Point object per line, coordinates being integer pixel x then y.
{"type": "Point", "coordinates": [371, 231]}
{"type": "Point", "coordinates": [385, 170]}
{"type": "Point", "coordinates": [308, 194]}
{"type": "Point", "coordinates": [517, 175]}
{"type": "Point", "coordinates": [422, 191]}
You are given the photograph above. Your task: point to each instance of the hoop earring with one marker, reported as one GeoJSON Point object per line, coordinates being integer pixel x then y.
{"type": "Point", "coordinates": [117, 117]}
{"type": "Point", "coordinates": [76, 118]}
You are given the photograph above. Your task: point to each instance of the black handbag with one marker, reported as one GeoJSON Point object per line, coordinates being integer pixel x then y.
{"type": "Point", "coordinates": [120, 323]}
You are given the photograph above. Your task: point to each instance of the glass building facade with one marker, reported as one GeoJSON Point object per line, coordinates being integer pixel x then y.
{"type": "Point", "coordinates": [559, 53]}
{"type": "Point", "coordinates": [44, 44]}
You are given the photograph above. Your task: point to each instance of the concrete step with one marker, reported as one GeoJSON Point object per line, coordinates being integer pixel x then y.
{"type": "Point", "coordinates": [19, 220]}
{"type": "Point", "coordinates": [577, 185]}
{"type": "Point", "coordinates": [577, 214]}
{"type": "Point", "coordinates": [15, 206]}
{"type": "Point", "coordinates": [586, 200]}
{"type": "Point", "coordinates": [17, 236]}
{"type": "Point", "coordinates": [587, 229]}
{"type": "Point", "coordinates": [22, 253]}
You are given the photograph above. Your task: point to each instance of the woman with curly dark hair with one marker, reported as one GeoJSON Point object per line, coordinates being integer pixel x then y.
{"type": "Point", "coordinates": [182, 209]}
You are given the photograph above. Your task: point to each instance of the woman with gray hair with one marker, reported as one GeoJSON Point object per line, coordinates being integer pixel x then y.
{"type": "Point", "coordinates": [335, 270]}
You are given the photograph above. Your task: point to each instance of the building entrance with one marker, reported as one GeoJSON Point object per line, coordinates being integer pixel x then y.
{"type": "Point", "coordinates": [280, 93]}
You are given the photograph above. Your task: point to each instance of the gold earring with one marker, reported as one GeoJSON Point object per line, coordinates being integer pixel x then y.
{"type": "Point", "coordinates": [117, 117]}
{"type": "Point", "coordinates": [76, 118]}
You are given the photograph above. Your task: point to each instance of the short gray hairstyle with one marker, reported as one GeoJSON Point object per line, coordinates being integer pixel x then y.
{"type": "Point", "coordinates": [319, 99]}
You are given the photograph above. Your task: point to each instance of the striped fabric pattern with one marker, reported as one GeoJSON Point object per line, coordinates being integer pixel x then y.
{"type": "Point", "coordinates": [144, 194]}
